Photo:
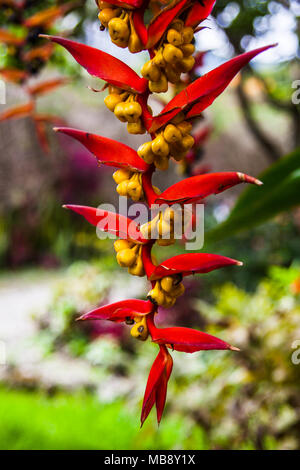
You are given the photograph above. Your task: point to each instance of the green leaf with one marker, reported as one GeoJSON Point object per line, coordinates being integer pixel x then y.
{"type": "Point", "coordinates": [256, 205]}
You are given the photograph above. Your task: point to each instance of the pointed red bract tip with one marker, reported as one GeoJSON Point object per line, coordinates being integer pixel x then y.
{"type": "Point", "coordinates": [156, 388]}
{"type": "Point", "coordinates": [249, 179]}
{"type": "Point", "coordinates": [233, 348]}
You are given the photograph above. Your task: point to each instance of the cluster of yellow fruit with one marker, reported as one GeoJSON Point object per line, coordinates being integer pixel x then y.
{"type": "Point", "coordinates": [120, 26]}
{"type": "Point", "coordinates": [165, 225]}
{"type": "Point", "coordinates": [129, 255]}
{"type": "Point", "coordinates": [173, 141]}
{"type": "Point", "coordinates": [166, 291]}
{"type": "Point", "coordinates": [125, 107]}
{"type": "Point", "coordinates": [172, 58]}
{"type": "Point", "coordinates": [140, 329]}
{"type": "Point", "coordinates": [129, 184]}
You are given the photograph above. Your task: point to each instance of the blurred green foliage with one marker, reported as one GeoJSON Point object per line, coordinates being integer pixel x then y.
{"type": "Point", "coordinates": [279, 193]}
{"type": "Point", "coordinates": [39, 422]}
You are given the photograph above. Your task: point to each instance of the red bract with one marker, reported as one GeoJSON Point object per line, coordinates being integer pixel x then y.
{"type": "Point", "coordinates": [48, 16]}
{"type": "Point", "coordinates": [13, 75]}
{"type": "Point", "coordinates": [185, 339]}
{"type": "Point", "coordinates": [195, 188]}
{"type": "Point", "coordinates": [17, 112]}
{"type": "Point", "coordinates": [200, 94]}
{"type": "Point", "coordinates": [107, 151]}
{"type": "Point", "coordinates": [160, 23]}
{"type": "Point", "coordinates": [130, 4]}
{"type": "Point", "coordinates": [46, 86]}
{"type": "Point", "coordinates": [199, 12]}
{"type": "Point", "coordinates": [156, 388]}
{"type": "Point", "coordinates": [120, 311]}
{"type": "Point", "coordinates": [191, 263]}
{"type": "Point", "coordinates": [10, 39]}
{"type": "Point", "coordinates": [111, 222]}
{"type": "Point", "coordinates": [103, 65]}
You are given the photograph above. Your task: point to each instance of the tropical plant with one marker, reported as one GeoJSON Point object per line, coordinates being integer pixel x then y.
{"type": "Point", "coordinates": [25, 53]}
{"type": "Point", "coordinates": [168, 37]}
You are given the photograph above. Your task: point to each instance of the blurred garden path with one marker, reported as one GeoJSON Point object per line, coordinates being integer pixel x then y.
{"type": "Point", "coordinates": [24, 297]}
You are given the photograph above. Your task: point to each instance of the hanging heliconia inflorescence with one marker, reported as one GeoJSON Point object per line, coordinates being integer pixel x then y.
{"type": "Point", "coordinates": [169, 40]}
{"type": "Point", "coordinates": [24, 53]}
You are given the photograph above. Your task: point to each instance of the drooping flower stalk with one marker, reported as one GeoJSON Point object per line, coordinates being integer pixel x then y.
{"type": "Point", "coordinates": [21, 26]}
{"type": "Point", "coordinates": [169, 39]}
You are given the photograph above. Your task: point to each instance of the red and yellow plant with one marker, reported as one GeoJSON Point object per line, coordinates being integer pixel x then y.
{"type": "Point", "coordinates": [21, 24]}
{"type": "Point", "coordinates": [169, 40]}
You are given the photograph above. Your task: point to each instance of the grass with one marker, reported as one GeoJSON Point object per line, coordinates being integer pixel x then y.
{"type": "Point", "coordinates": [33, 420]}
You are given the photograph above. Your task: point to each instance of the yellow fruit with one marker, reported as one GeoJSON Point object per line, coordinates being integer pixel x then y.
{"type": "Point", "coordinates": [172, 134]}
{"type": "Point", "coordinates": [177, 151]}
{"type": "Point", "coordinates": [161, 163]}
{"type": "Point", "coordinates": [160, 146]}
{"type": "Point", "coordinates": [172, 75]}
{"type": "Point", "coordinates": [167, 283]}
{"type": "Point", "coordinates": [120, 43]}
{"type": "Point", "coordinates": [165, 230]}
{"type": "Point", "coordinates": [121, 175]}
{"type": "Point", "coordinates": [137, 269]}
{"type": "Point", "coordinates": [120, 245]}
{"type": "Point", "coordinates": [120, 111]}
{"type": "Point", "coordinates": [159, 59]}
{"type": "Point", "coordinates": [106, 15]}
{"type": "Point", "coordinates": [186, 64]}
{"type": "Point", "coordinates": [114, 90]}
{"type": "Point", "coordinates": [187, 49]}
{"type": "Point", "coordinates": [161, 86]}
{"type": "Point", "coordinates": [140, 330]}
{"type": "Point", "coordinates": [174, 37]}
{"type": "Point", "coordinates": [145, 230]}
{"type": "Point", "coordinates": [185, 127]}
{"type": "Point", "coordinates": [187, 34]}
{"type": "Point", "coordinates": [112, 100]}
{"type": "Point", "coordinates": [169, 301]}
{"type": "Point", "coordinates": [122, 188]}
{"type": "Point", "coordinates": [145, 152]}
{"type": "Point", "coordinates": [177, 291]}
{"type": "Point", "coordinates": [134, 190]}
{"type": "Point", "coordinates": [168, 215]}
{"type": "Point", "coordinates": [151, 71]}
{"type": "Point", "coordinates": [157, 294]}
{"type": "Point", "coordinates": [187, 142]}
{"type": "Point", "coordinates": [134, 43]}
{"type": "Point", "coordinates": [136, 127]}
{"type": "Point", "coordinates": [165, 242]}
{"type": "Point", "coordinates": [118, 30]}
{"type": "Point", "coordinates": [103, 5]}
{"type": "Point", "coordinates": [132, 111]}
{"type": "Point", "coordinates": [172, 54]}
{"type": "Point", "coordinates": [126, 257]}
{"type": "Point", "coordinates": [177, 24]}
